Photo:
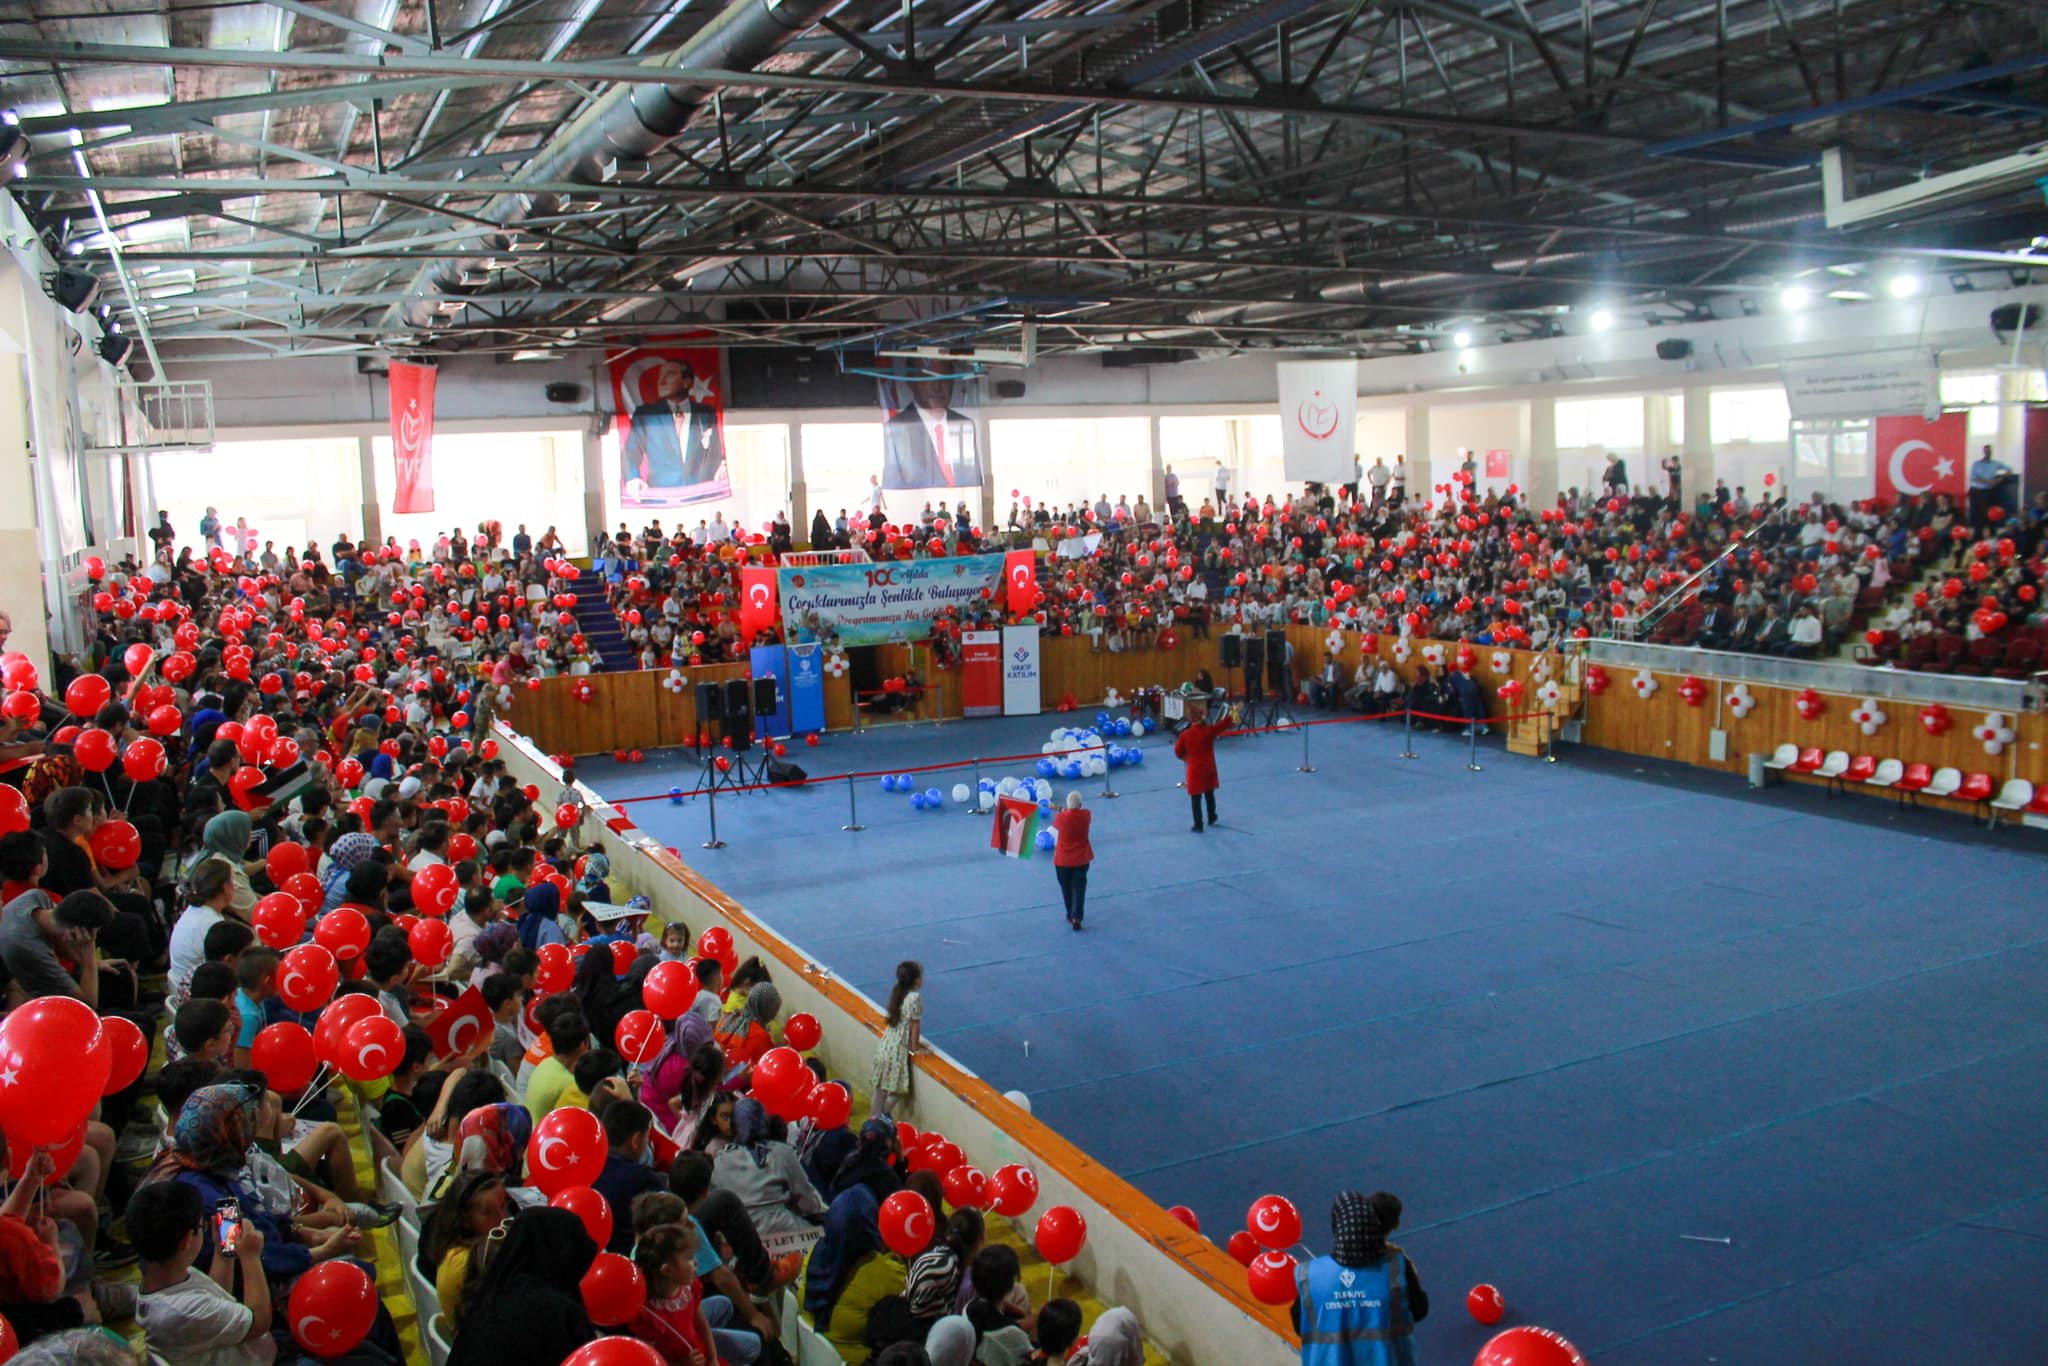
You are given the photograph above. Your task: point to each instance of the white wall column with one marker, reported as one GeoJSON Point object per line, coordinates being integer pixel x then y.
{"type": "Point", "coordinates": [366, 463]}
{"type": "Point", "coordinates": [1697, 450]}
{"type": "Point", "coordinates": [1416, 453]}
{"type": "Point", "coordinates": [799, 490]}
{"type": "Point", "coordinates": [1542, 471]}
{"type": "Point", "coordinates": [595, 513]}
{"type": "Point", "coordinates": [21, 560]}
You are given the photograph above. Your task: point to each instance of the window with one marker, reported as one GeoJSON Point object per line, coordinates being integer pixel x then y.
{"type": "Point", "coordinates": [1674, 421]}
{"type": "Point", "coordinates": [534, 478]}
{"type": "Point", "coordinates": [292, 493]}
{"type": "Point", "coordinates": [1980, 394]}
{"type": "Point", "coordinates": [1059, 460]}
{"type": "Point", "coordinates": [840, 458]}
{"type": "Point", "coordinates": [1606, 423]}
{"type": "Point", "coordinates": [1752, 415]}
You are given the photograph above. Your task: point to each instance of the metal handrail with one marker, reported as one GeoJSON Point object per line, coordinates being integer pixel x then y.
{"type": "Point", "coordinates": [1663, 605]}
{"type": "Point", "coordinates": [2008, 695]}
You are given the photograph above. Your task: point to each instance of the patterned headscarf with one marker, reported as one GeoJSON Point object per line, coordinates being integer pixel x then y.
{"type": "Point", "coordinates": [596, 868]}
{"type": "Point", "coordinates": [350, 852]}
{"type": "Point", "coordinates": [764, 1003]}
{"type": "Point", "coordinates": [492, 941]}
{"type": "Point", "coordinates": [1359, 1238]}
{"type": "Point", "coordinates": [493, 1139]}
{"type": "Point", "coordinates": [212, 1131]}
{"type": "Point", "coordinates": [227, 835]}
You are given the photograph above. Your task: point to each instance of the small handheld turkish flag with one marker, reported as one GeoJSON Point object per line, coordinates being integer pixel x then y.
{"type": "Point", "coordinates": [462, 1026]}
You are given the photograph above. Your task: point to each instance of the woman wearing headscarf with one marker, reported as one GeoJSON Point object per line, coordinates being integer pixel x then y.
{"type": "Point", "coordinates": [540, 922]}
{"type": "Point", "coordinates": [951, 1342]}
{"type": "Point", "coordinates": [226, 837]}
{"type": "Point", "coordinates": [744, 1035]}
{"type": "Point", "coordinates": [489, 948]}
{"type": "Point", "coordinates": [1113, 1341]}
{"type": "Point", "coordinates": [1360, 1304]}
{"type": "Point", "coordinates": [491, 1138]}
{"type": "Point", "coordinates": [766, 1174]}
{"type": "Point", "coordinates": [853, 1230]}
{"type": "Point", "coordinates": [344, 856]}
{"type": "Point", "coordinates": [596, 868]}
{"type": "Point", "coordinates": [677, 1084]}
{"type": "Point", "coordinates": [528, 1305]}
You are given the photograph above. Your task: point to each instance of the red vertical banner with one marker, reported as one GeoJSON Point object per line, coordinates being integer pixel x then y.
{"type": "Point", "coordinates": [412, 436]}
{"type": "Point", "coordinates": [1496, 464]}
{"type": "Point", "coordinates": [1020, 581]}
{"type": "Point", "coordinates": [981, 673]}
{"type": "Point", "coordinates": [758, 609]}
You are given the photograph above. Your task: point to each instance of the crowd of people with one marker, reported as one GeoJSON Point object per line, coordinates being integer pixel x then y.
{"type": "Point", "coordinates": [259, 774]}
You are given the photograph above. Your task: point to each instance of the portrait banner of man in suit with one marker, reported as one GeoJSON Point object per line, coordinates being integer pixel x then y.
{"type": "Point", "coordinates": [669, 402]}
{"type": "Point", "coordinates": [928, 437]}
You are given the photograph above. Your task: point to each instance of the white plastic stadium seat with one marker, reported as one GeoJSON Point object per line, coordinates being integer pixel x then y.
{"type": "Point", "coordinates": [439, 1345]}
{"type": "Point", "coordinates": [1783, 757]}
{"type": "Point", "coordinates": [1888, 772]}
{"type": "Point", "coordinates": [391, 1188]}
{"type": "Point", "coordinates": [2014, 796]}
{"type": "Point", "coordinates": [1836, 764]}
{"type": "Point", "coordinates": [1946, 781]}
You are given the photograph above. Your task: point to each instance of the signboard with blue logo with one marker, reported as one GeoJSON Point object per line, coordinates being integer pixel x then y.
{"type": "Point", "coordinates": [806, 688]}
{"type": "Point", "coordinates": [1020, 671]}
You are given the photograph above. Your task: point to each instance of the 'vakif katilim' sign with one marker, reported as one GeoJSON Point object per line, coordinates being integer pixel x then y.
{"type": "Point", "coordinates": [876, 603]}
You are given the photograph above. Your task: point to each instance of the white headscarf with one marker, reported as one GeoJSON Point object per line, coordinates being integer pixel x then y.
{"type": "Point", "coordinates": [951, 1342]}
{"type": "Point", "coordinates": [1113, 1341]}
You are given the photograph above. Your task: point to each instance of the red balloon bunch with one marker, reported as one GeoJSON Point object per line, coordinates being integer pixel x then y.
{"type": "Point", "coordinates": [55, 1065]}
{"type": "Point", "coordinates": [332, 1308]}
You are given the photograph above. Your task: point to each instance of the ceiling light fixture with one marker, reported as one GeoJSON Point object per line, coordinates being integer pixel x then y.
{"type": "Point", "coordinates": [1904, 285]}
{"type": "Point", "coordinates": [1794, 297]}
{"type": "Point", "coordinates": [1602, 319]}
{"type": "Point", "coordinates": [1462, 338]}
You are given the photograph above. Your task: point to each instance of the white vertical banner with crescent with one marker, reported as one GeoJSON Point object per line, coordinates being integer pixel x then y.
{"type": "Point", "coordinates": [411, 392]}
{"type": "Point", "coordinates": [1318, 420]}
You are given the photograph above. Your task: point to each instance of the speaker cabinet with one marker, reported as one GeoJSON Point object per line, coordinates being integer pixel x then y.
{"type": "Point", "coordinates": [1233, 651]}
{"type": "Point", "coordinates": [710, 703]}
{"type": "Point", "coordinates": [1254, 657]}
{"type": "Point", "coordinates": [1276, 659]}
{"type": "Point", "coordinates": [738, 698]}
{"type": "Point", "coordinates": [764, 697]}
{"type": "Point", "coordinates": [75, 289]}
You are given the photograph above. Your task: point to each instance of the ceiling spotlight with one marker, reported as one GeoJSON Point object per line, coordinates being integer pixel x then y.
{"type": "Point", "coordinates": [1792, 298]}
{"type": "Point", "coordinates": [14, 150]}
{"type": "Point", "coordinates": [1602, 319]}
{"type": "Point", "coordinates": [1904, 285]}
{"type": "Point", "coordinates": [1461, 338]}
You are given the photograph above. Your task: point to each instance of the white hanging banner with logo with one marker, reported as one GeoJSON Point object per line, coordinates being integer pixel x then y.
{"type": "Point", "coordinates": [1020, 671]}
{"type": "Point", "coordinates": [1318, 420]}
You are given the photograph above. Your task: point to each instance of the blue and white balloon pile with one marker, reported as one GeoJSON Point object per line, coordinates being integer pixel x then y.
{"type": "Point", "coordinates": [1073, 754]}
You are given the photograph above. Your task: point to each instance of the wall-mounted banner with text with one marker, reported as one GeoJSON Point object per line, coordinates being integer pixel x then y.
{"type": "Point", "coordinates": [875, 604]}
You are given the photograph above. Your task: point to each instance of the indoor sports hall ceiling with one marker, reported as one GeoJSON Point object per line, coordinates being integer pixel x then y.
{"type": "Point", "coordinates": [1021, 176]}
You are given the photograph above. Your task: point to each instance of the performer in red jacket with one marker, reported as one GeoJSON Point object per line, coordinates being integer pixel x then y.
{"type": "Point", "coordinates": [1197, 745]}
{"type": "Point", "coordinates": [1071, 857]}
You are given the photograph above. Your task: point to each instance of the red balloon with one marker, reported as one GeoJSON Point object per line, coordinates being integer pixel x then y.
{"type": "Point", "coordinates": [128, 1050]}
{"type": "Point", "coordinates": [802, 1032]}
{"type": "Point", "coordinates": [307, 977]}
{"type": "Point", "coordinates": [1274, 1221]}
{"type": "Point", "coordinates": [63, 1156]}
{"type": "Point", "coordinates": [1061, 1233]}
{"type": "Point", "coordinates": [21, 706]}
{"type": "Point", "coordinates": [284, 1053]}
{"type": "Point", "coordinates": [568, 1149]}
{"type": "Point", "coordinates": [432, 941]}
{"type": "Point", "coordinates": [567, 814]}
{"type": "Point", "coordinates": [305, 889]}
{"type": "Point", "coordinates": [615, 1352]}
{"type": "Point", "coordinates": [557, 968]}
{"type": "Point", "coordinates": [280, 921]}
{"type": "Point", "coordinates": [965, 1187]}
{"type": "Point", "coordinates": [669, 990]}
{"type": "Point", "coordinates": [332, 1308]}
{"type": "Point", "coordinates": [1243, 1247]}
{"type": "Point", "coordinates": [831, 1106]}
{"type": "Point", "coordinates": [614, 1291]}
{"type": "Point", "coordinates": [373, 1048]}
{"type": "Point", "coordinates": [13, 810]}
{"type": "Point", "coordinates": [50, 1048]}
{"type": "Point", "coordinates": [1528, 1346]}
{"type": "Point", "coordinates": [587, 1205]}
{"type": "Point", "coordinates": [1485, 1304]}
{"type": "Point", "coordinates": [137, 658]}
{"type": "Point", "coordinates": [780, 1074]}
{"type": "Point", "coordinates": [623, 956]}
{"type": "Point", "coordinates": [343, 932]}
{"type": "Point", "coordinates": [286, 859]}
{"type": "Point", "coordinates": [434, 889]}
{"type": "Point", "coordinates": [330, 1036]}
{"type": "Point", "coordinates": [1186, 1216]}
{"type": "Point", "coordinates": [94, 749]}
{"type": "Point", "coordinates": [143, 760]}
{"type": "Point", "coordinates": [715, 942]}
{"type": "Point", "coordinates": [86, 695]}
{"type": "Point", "coordinates": [907, 1223]}
{"type": "Point", "coordinates": [1013, 1190]}
{"type": "Point", "coordinates": [640, 1036]}
{"type": "Point", "coordinates": [1271, 1278]}
{"type": "Point", "coordinates": [115, 845]}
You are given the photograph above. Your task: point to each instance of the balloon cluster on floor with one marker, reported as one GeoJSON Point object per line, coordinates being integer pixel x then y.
{"type": "Point", "coordinates": [1072, 753]}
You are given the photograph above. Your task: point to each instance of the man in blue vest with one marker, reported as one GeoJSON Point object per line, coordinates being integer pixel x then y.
{"type": "Point", "coordinates": [1359, 1305]}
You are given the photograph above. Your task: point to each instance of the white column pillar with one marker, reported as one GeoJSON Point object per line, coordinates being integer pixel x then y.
{"type": "Point", "coordinates": [1158, 466]}
{"type": "Point", "coordinates": [21, 560]}
{"type": "Point", "coordinates": [1542, 472]}
{"type": "Point", "coordinates": [1697, 451]}
{"type": "Point", "coordinates": [595, 494]}
{"type": "Point", "coordinates": [1416, 454]}
{"type": "Point", "coordinates": [799, 488]}
{"type": "Point", "coordinates": [373, 521]}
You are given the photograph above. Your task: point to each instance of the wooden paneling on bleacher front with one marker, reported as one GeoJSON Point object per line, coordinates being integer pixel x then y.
{"type": "Point", "coordinates": [633, 710]}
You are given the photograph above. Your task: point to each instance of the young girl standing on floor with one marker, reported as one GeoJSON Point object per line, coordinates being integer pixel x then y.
{"type": "Point", "coordinates": [900, 1039]}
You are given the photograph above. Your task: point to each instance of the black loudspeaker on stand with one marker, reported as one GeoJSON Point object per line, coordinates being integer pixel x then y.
{"type": "Point", "coordinates": [1254, 668]}
{"type": "Point", "coordinates": [1276, 661]}
{"type": "Point", "coordinates": [710, 704]}
{"type": "Point", "coordinates": [1233, 651]}
{"type": "Point", "coordinates": [765, 700]}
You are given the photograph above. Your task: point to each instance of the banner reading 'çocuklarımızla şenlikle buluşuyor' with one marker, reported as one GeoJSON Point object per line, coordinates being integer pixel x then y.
{"type": "Point", "coordinates": [874, 604]}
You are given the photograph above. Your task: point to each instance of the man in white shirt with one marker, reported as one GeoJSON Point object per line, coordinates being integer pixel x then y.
{"type": "Point", "coordinates": [1806, 634]}
{"type": "Point", "coordinates": [720, 533]}
{"type": "Point", "coordinates": [193, 1319]}
{"type": "Point", "coordinates": [1377, 477]}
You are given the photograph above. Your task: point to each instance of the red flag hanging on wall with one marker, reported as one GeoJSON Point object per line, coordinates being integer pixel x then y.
{"type": "Point", "coordinates": [1916, 456]}
{"type": "Point", "coordinates": [1020, 578]}
{"type": "Point", "coordinates": [412, 436]}
{"type": "Point", "coordinates": [758, 610]}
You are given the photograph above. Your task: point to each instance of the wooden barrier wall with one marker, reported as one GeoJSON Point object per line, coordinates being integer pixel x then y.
{"type": "Point", "coordinates": [633, 710]}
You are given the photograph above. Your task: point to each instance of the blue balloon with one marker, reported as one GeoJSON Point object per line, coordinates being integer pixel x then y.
{"type": "Point", "coordinates": [1045, 839]}
{"type": "Point", "coordinates": [675, 796]}
{"type": "Point", "coordinates": [1071, 769]}
{"type": "Point", "coordinates": [1123, 727]}
{"type": "Point", "coordinates": [988, 784]}
{"type": "Point", "coordinates": [1101, 719]}
{"type": "Point", "coordinates": [905, 783]}
{"type": "Point", "coordinates": [1134, 755]}
{"type": "Point", "coordinates": [888, 782]}
{"type": "Point", "coordinates": [917, 801]}
{"type": "Point", "coordinates": [1046, 768]}
{"type": "Point", "coordinates": [1045, 810]}
{"type": "Point", "coordinates": [932, 797]}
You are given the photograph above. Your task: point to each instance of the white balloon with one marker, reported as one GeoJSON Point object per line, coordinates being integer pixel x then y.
{"type": "Point", "coordinates": [1018, 1099]}
{"type": "Point", "coordinates": [960, 792]}
{"type": "Point", "coordinates": [988, 799]}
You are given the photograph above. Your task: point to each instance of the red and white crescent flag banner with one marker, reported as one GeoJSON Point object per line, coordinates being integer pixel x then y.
{"type": "Point", "coordinates": [759, 609]}
{"type": "Point", "coordinates": [462, 1026]}
{"type": "Point", "coordinates": [1914, 456]}
{"type": "Point", "coordinates": [412, 436]}
{"type": "Point", "coordinates": [1318, 419]}
{"type": "Point", "coordinates": [1020, 580]}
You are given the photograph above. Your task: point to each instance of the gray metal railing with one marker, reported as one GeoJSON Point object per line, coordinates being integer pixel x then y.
{"type": "Point", "coordinates": [2008, 695]}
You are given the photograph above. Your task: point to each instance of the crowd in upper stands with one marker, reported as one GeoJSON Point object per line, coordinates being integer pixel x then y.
{"type": "Point", "coordinates": [337, 705]}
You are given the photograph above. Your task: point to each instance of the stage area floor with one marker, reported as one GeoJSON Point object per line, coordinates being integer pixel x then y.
{"type": "Point", "coordinates": [1692, 1074]}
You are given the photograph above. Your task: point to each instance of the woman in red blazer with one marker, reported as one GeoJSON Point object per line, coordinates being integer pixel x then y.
{"type": "Point", "coordinates": [1071, 855]}
{"type": "Point", "coordinates": [1197, 745]}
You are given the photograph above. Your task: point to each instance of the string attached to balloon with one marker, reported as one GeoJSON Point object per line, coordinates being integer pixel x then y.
{"type": "Point", "coordinates": [321, 1076]}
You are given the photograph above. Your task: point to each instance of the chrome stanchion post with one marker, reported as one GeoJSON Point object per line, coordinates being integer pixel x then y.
{"type": "Point", "coordinates": [714, 842]}
{"type": "Point", "coordinates": [1407, 732]}
{"type": "Point", "coordinates": [1306, 766]}
{"type": "Point", "coordinates": [1108, 783]}
{"type": "Point", "coordinates": [1472, 762]}
{"type": "Point", "coordinates": [852, 808]}
{"type": "Point", "coordinates": [1550, 737]}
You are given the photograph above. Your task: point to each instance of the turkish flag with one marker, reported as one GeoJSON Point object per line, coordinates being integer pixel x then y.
{"type": "Point", "coordinates": [1020, 578]}
{"type": "Point", "coordinates": [1920, 457]}
{"type": "Point", "coordinates": [463, 1026]}
{"type": "Point", "coordinates": [411, 390]}
{"type": "Point", "coordinates": [759, 608]}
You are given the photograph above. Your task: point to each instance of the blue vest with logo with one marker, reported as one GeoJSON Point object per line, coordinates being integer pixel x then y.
{"type": "Point", "coordinates": [1356, 1316]}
